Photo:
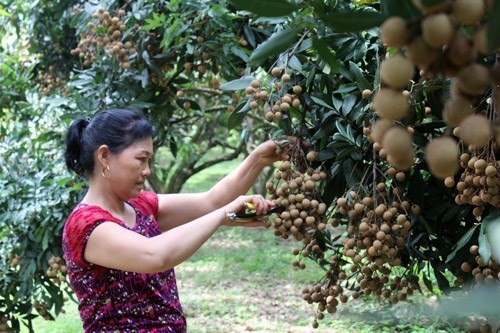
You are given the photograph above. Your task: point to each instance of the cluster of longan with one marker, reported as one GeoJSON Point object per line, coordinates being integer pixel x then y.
{"type": "Point", "coordinates": [14, 260]}
{"type": "Point", "coordinates": [449, 37]}
{"type": "Point", "coordinates": [297, 193]}
{"type": "Point", "coordinates": [479, 183]}
{"type": "Point", "coordinates": [281, 105]}
{"type": "Point", "coordinates": [393, 143]}
{"type": "Point", "coordinates": [51, 80]}
{"type": "Point", "coordinates": [201, 68]}
{"type": "Point", "coordinates": [41, 308]}
{"type": "Point", "coordinates": [107, 33]}
{"type": "Point", "coordinates": [484, 273]}
{"type": "Point", "coordinates": [376, 234]}
{"type": "Point", "coordinates": [57, 270]}
{"type": "Point", "coordinates": [329, 293]}
{"type": "Point", "coordinates": [377, 231]}
{"type": "Point", "coordinates": [4, 323]}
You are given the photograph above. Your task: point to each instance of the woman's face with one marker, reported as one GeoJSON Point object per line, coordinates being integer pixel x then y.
{"type": "Point", "coordinates": [129, 169]}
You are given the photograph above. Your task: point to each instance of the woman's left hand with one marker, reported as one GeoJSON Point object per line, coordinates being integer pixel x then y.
{"type": "Point", "coordinates": [271, 151]}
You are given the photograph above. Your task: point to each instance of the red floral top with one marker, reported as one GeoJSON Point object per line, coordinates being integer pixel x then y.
{"type": "Point", "coordinates": [120, 301]}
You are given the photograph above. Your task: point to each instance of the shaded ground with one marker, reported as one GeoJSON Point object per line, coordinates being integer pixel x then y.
{"type": "Point", "coordinates": [241, 281]}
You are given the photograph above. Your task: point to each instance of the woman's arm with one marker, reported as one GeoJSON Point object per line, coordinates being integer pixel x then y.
{"type": "Point", "coordinates": [177, 209]}
{"type": "Point", "coordinates": [110, 245]}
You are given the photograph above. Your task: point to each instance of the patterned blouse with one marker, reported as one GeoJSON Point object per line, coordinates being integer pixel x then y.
{"type": "Point", "coordinates": [120, 301]}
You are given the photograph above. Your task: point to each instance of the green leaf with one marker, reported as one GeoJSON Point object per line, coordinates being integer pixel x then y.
{"type": "Point", "coordinates": [352, 21]}
{"type": "Point", "coordinates": [173, 146]}
{"type": "Point", "coordinates": [484, 244]}
{"type": "Point", "coordinates": [462, 242]}
{"type": "Point", "coordinates": [326, 54]}
{"type": "Point", "coordinates": [322, 102]}
{"type": "Point", "coordinates": [428, 283]}
{"type": "Point", "coordinates": [239, 84]}
{"type": "Point", "coordinates": [494, 26]}
{"type": "Point", "coordinates": [348, 105]}
{"type": "Point", "coordinates": [238, 114]}
{"type": "Point", "coordinates": [277, 43]}
{"type": "Point", "coordinates": [404, 9]}
{"type": "Point", "coordinates": [3, 12]}
{"type": "Point", "coordinates": [267, 8]}
{"type": "Point", "coordinates": [359, 77]}
{"type": "Point", "coordinates": [152, 65]}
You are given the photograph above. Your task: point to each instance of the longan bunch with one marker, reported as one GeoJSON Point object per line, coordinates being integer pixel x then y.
{"type": "Point", "coordinates": [446, 41]}
{"type": "Point", "coordinates": [41, 308]}
{"type": "Point", "coordinates": [107, 33]}
{"type": "Point", "coordinates": [85, 49]}
{"type": "Point", "coordinates": [479, 183]}
{"type": "Point", "coordinates": [257, 93]}
{"type": "Point", "coordinates": [57, 270]}
{"type": "Point", "coordinates": [441, 47]}
{"type": "Point", "coordinates": [51, 80]}
{"type": "Point", "coordinates": [297, 193]}
{"type": "Point", "coordinates": [483, 273]}
{"type": "Point", "coordinates": [14, 260]}
{"type": "Point", "coordinates": [328, 294]}
{"type": "Point", "coordinates": [392, 142]}
{"type": "Point", "coordinates": [281, 106]}
{"type": "Point", "coordinates": [337, 287]}
{"type": "Point", "coordinates": [377, 231]}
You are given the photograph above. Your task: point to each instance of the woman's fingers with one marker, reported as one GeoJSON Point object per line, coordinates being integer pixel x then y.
{"type": "Point", "coordinates": [291, 147]}
{"type": "Point", "coordinates": [259, 203]}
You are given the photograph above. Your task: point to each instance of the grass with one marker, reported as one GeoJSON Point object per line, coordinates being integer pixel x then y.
{"type": "Point", "coordinates": [241, 280]}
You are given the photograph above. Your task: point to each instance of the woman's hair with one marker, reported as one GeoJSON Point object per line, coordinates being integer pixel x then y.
{"type": "Point", "coordinates": [116, 128]}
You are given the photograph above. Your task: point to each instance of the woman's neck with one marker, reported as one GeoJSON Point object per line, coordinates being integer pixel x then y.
{"type": "Point", "coordinates": [100, 195]}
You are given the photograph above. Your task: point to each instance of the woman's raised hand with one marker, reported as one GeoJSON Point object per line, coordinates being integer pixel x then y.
{"type": "Point", "coordinates": [271, 151]}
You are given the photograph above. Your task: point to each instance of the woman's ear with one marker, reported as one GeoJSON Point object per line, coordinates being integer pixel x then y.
{"type": "Point", "coordinates": [103, 153]}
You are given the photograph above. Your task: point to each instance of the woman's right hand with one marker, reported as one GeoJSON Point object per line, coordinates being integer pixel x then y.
{"type": "Point", "coordinates": [238, 205]}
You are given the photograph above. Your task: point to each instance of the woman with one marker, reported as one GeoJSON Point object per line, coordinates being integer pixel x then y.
{"type": "Point", "coordinates": [121, 243]}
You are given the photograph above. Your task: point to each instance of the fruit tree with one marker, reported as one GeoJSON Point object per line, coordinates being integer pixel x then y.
{"type": "Point", "coordinates": [394, 174]}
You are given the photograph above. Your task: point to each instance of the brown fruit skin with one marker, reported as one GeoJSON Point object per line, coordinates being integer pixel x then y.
{"type": "Point", "coordinates": [456, 110]}
{"type": "Point", "coordinates": [394, 32]}
{"type": "Point", "coordinates": [420, 53]}
{"type": "Point", "coordinates": [475, 130]}
{"type": "Point", "coordinates": [481, 40]}
{"type": "Point", "coordinates": [474, 79]}
{"type": "Point", "coordinates": [396, 71]}
{"type": "Point", "coordinates": [468, 12]}
{"type": "Point", "coordinates": [379, 129]}
{"type": "Point", "coordinates": [367, 94]}
{"type": "Point", "coordinates": [431, 9]}
{"type": "Point", "coordinates": [442, 156]}
{"type": "Point", "coordinates": [437, 30]}
{"type": "Point", "coordinates": [404, 162]}
{"type": "Point", "coordinates": [391, 104]}
{"type": "Point", "coordinates": [460, 51]}
{"type": "Point", "coordinates": [397, 141]}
